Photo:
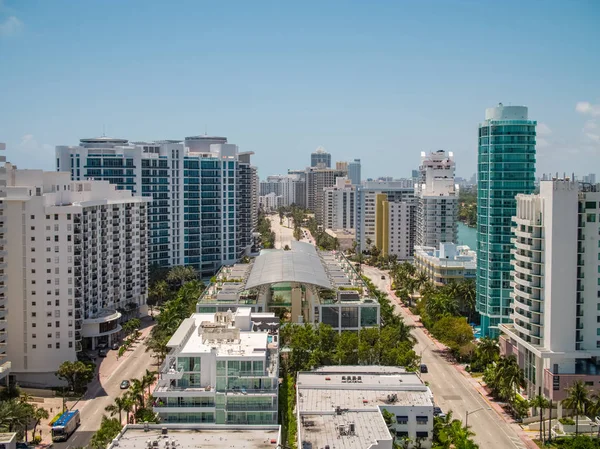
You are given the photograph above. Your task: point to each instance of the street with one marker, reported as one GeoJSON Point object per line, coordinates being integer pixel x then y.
{"type": "Point", "coordinates": [284, 235]}
{"type": "Point", "coordinates": [100, 394]}
{"type": "Point", "coordinates": [451, 389]}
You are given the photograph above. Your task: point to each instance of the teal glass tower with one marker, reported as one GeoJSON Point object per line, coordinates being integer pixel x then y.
{"type": "Point", "coordinates": [506, 167]}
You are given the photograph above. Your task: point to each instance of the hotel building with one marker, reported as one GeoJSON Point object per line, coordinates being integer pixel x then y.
{"type": "Point", "coordinates": [449, 263]}
{"type": "Point", "coordinates": [77, 265]}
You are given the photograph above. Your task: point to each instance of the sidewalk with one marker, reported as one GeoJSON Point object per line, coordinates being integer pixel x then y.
{"type": "Point", "coordinates": [477, 385]}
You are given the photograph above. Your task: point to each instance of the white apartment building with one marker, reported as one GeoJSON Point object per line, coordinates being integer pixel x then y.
{"type": "Point", "coordinates": [222, 368]}
{"type": "Point", "coordinates": [203, 194]}
{"type": "Point", "coordinates": [339, 204]}
{"type": "Point", "coordinates": [78, 264]}
{"type": "Point", "coordinates": [555, 328]}
{"type": "Point", "coordinates": [5, 365]}
{"type": "Point", "coordinates": [342, 406]}
{"type": "Point", "coordinates": [281, 185]}
{"type": "Point", "coordinates": [393, 223]}
{"type": "Point", "coordinates": [317, 179]}
{"type": "Point", "coordinates": [437, 197]}
{"type": "Point", "coordinates": [448, 263]}
{"type": "Point", "coordinates": [270, 202]}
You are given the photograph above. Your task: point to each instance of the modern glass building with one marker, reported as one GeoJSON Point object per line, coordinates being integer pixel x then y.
{"type": "Point", "coordinates": [506, 167]}
{"type": "Point", "coordinates": [202, 211]}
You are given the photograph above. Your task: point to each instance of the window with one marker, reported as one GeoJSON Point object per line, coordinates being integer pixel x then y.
{"type": "Point", "coordinates": [401, 433]}
{"type": "Point", "coordinates": [33, 325]}
{"type": "Point", "coordinates": [33, 346]}
{"type": "Point", "coordinates": [57, 345]}
{"type": "Point", "coordinates": [49, 345]}
{"type": "Point", "coordinates": [33, 239]}
{"type": "Point", "coordinates": [49, 335]}
{"type": "Point", "coordinates": [422, 419]}
{"type": "Point", "coordinates": [70, 344]}
{"type": "Point", "coordinates": [422, 434]}
{"type": "Point", "coordinates": [34, 336]}
{"type": "Point", "coordinates": [57, 323]}
{"type": "Point", "coordinates": [402, 420]}
{"type": "Point", "coordinates": [49, 325]}
{"type": "Point", "coordinates": [32, 260]}
{"type": "Point", "coordinates": [33, 314]}
{"type": "Point", "coordinates": [33, 303]}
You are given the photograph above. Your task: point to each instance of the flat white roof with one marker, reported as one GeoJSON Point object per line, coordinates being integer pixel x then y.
{"type": "Point", "coordinates": [249, 344]}
{"type": "Point", "coordinates": [259, 437]}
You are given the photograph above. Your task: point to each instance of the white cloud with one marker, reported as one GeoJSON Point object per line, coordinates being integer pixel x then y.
{"type": "Point", "coordinates": [587, 108]}
{"type": "Point", "coordinates": [543, 130]}
{"type": "Point", "coordinates": [29, 144]}
{"type": "Point", "coordinates": [11, 26]}
{"type": "Point", "coordinates": [590, 125]}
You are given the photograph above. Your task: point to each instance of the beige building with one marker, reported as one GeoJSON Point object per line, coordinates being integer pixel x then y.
{"type": "Point", "coordinates": [449, 263]}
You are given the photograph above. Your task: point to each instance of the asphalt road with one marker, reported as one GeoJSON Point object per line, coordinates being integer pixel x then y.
{"type": "Point", "coordinates": [450, 388]}
{"type": "Point", "coordinates": [102, 393]}
{"type": "Point", "coordinates": [283, 234]}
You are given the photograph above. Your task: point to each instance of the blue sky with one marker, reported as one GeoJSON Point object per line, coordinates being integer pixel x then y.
{"type": "Point", "coordinates": [381, 81]}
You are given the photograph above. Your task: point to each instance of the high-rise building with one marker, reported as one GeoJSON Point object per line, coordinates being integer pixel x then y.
{"type": "Point", "coordinates": [506, 167]}
{"type": "Point", "coordinates": [320, 158]}
{"type": "Point", "coordinates": [270, 202]}
{"type": "Point", "coordinates": [317, 179]}
{"type": "Point", "coordinates": [555, 326]}
{"type": "Point", "coordinates": [385, 212]}
{"type": "Point", "coordinates": [341, 165]}
{"type": "Point", "coordinates": [281, 185]}
{"type": "Point", "coordinates": [222, 368]}
{"type": "Point", "coordinates": [78, 267]}
{"type": "Point", "coordinates": [436, 194]}
{"type": "Point", "coordinates": [339, 204]}
{"type": "Point", "coordinates": [5, 365]}
{"type": "Point", "coordinates": [354, 172]}
{"type": "Point", "coordinates": [203, 207]}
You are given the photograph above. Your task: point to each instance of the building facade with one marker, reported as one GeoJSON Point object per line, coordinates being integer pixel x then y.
{"type": "Point", "coordinates": [270, 202]}
{"type": "Point", "coordinates": [506, 167]}
{"type": "Point", "coordinates": [437, 210]}
{"type": "Point", "coordinates": [281, 185]}
{"type": "Point", "coordinates": [78, 268]}
{"type": "Point", "coordinates": [320, 158]}
{"type": "Point", "coordinates": [554, 329]}
{"type": "Point", "coordinates": [204, 204]}
{"type": "Point", "coordinates": [4, 363]}
{"type": "Point", "coordinates": [393, 224]}
{"type": "Point", "coordinates": [446, 264]}
{"type": "Point", "coordinates": [354, 172]}
{"type": "Point", "coordinates": [317, 179]}
{"type": "Point", "coordinates": [339, 205]}
{"type": "Point", "coordinates": [222, 368]}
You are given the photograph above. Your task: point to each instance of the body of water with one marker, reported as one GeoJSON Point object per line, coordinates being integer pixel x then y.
{"type": "Point", "coordinates": [467, 236]}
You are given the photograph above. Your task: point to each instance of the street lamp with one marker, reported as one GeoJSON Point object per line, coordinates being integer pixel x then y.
{"type": "Point", "coordinates": [470, 413]}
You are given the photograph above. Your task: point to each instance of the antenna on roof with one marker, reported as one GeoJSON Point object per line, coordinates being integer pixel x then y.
{"type": "Point", "coordinates": [205, 130]}
{"type": "Point", "coordinates": [103, 130]}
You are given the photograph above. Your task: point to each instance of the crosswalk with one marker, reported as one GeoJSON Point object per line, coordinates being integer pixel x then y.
{"type": "Point", "coordinates": [518, 443]}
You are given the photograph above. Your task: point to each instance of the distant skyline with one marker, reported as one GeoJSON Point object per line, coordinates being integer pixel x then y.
{"type": "Point", "coordinates": [380, 82]}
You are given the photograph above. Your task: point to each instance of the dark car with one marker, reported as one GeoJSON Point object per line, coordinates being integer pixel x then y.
{"type": "Point", "coordinates": [115, 346]}
{"type": "Point", "coordinates": [102, 353]}
{"type": "Point", "coordinates": [383, 277]}
{"type": "Point", "coordinates": [423, 368]}
{"type": "Point", "coordinates": [125, 384]}
{"type": "Point", "coordinates": [437, 411]}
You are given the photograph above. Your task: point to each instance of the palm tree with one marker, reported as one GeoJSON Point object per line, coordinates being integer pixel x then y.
{"type": "Point", "coordinates": [487, 351]}
{"type": "Point", "coordinates": [117, 407]}
{"type": "Point", "coordinates": [179, 275]}
{"type": "Point", "coordinates": [541, 403]}
{"type": "Point", "coordinates": [577, 399]}
{"type": "Point", "coordinates": [39, 414]}
{"type": "Point", "coordinates": [594, 408]}
{"type": "Point", "coordinates": [128, 404]}
{"type": "Point", "coordinates": [158, 293]}
{"type": "Point", "coordinates": [137, 393]}
{"type": "Point", "coordinates": [467, 293]}
{"type": "Point", "coordinates": [148, 379]}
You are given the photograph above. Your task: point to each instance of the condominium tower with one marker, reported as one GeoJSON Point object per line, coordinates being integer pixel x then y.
{"type": "Point", "coordinates": [437, 198]}
{"type": "Point", "coordinates": [317, 179]}
{"type": "Point", "coordinates": [4, 363]}
{"type": "Point", "coordinates": [354, 172]}
{"type": "Point", "coordinates": [77, 267]}
{"type": "Point", "coordinates": [506, 167]}
{"type": "Point", "coordinates": [385, 217]}
{"type": "Point", "coordinates": [339, 205]}
{"type": "Point", "coordinates": [320, 158]}
{"type": "Point", "coordinates": [555, 326]}
{"type": "Point", "coordinates": [203, 192]}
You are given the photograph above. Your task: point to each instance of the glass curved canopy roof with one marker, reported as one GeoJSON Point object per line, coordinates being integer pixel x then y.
{"type": "Point", "coordinates": [302, 264]}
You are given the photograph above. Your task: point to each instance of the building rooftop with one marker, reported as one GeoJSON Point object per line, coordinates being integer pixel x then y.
{"type": "Point", "coordinates": [342, 404]}
{"type": "Point", "coordinates": [193, 436]}
{"type": "Point", "coordinates": [448, 254]}
{"type": "Point", "coordinates": [8, 437]}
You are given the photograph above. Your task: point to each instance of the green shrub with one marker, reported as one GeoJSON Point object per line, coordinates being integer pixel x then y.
{"type": "Point", "coordinates": [567, 421]}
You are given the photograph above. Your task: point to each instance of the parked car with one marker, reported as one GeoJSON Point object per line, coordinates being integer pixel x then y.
{"type": "Point", "coordinates": [423, 368]}
{"type": "Point", "coordinates": [437, 411]}
{"type": "Point", "coordinates": [125, 384]}
{"type": "Point", "coordinates": [102, 352]}
{"type": "Point", "coordinates": [102, 345]}
{"type": "Point", "coordinates": [115, 346]}
{"type": "Point", "coordinates": [383, 278]}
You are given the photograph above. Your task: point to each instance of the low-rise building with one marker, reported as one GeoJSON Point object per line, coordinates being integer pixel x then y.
{"type": "Point", "coordinates": [345, 237]}
{"type": "Point", "coordinates": [8, 440]}
{"type": "Point", "coordinates": [222, 368]}
{"type": "Point", "coordinates": [316, 287]}
{"type": "Point", "coordinates": [143, 436]}
{"type": "Point", "coordinates": [342, 406]}
{"type": "Point", "coordinates": [449, 263]}
{"type": "Point", "coordinates": [270, 202]}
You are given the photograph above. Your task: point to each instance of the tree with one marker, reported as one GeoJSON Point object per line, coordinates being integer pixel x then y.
{"type": "Point", "coordinates": [577, 399]}
{"type": "Point", "coordinates": [158, 294]}
{"type": "Point", "coordinates": [486, 353]}
{"type": "Point", "coordinates": [541, 403]}
{"type": "Point", "coordinates": [452, 331]}
{"type": "Point", "coordinates": [148, 379]}
{"type": "Point", "coordinates": [179, 275]}
{"type": "Point", "coordinates": [76, 374]}
{"type": "Point", "coordinates": [39, 414]}
{"type": "Point", "coordinates": [109, 429]}
{"type": "Point", "coordinates": [118, 406]}
{"type": "Point", "coordinates": [287, 248]}
{"type": "Point", "coordinates": [15, 415]}
{"type": "Point", "coordinates": [346, 352]}
{"type": "Point", "coordinates": [137, 392]}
